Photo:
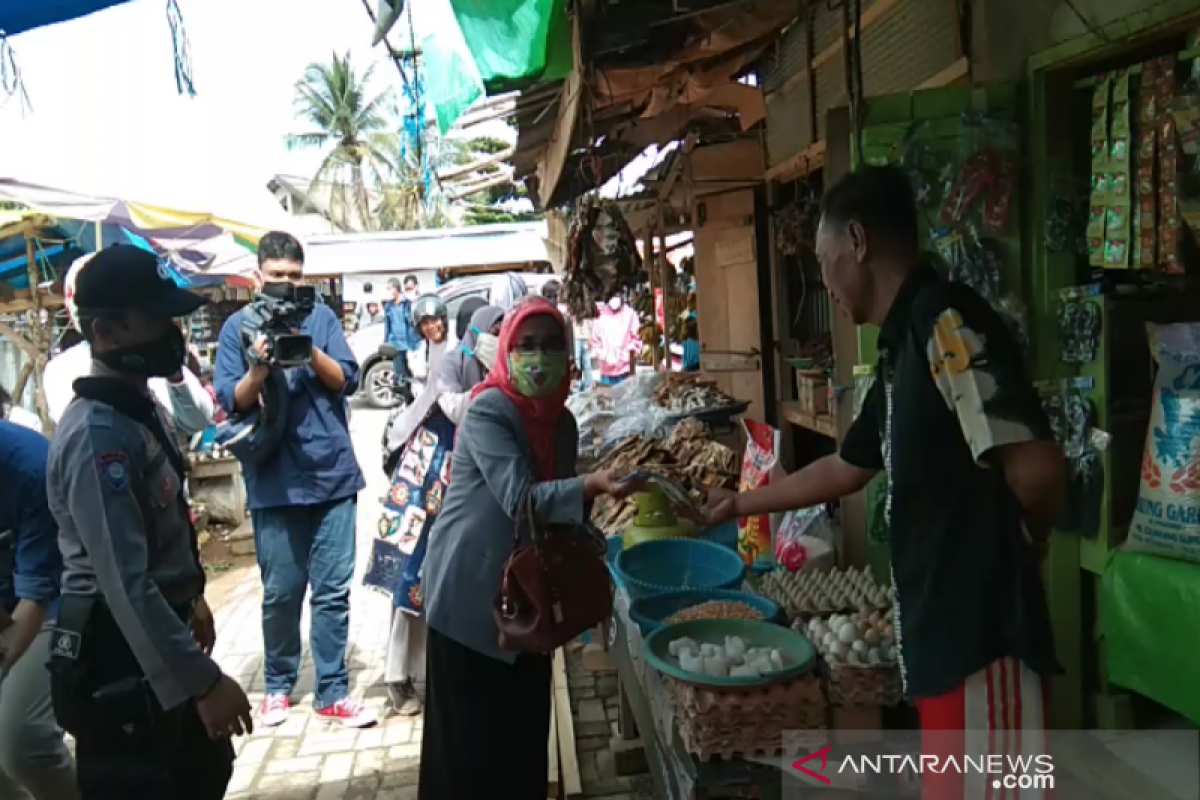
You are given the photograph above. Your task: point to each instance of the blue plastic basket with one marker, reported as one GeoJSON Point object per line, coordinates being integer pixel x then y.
{"type": "Point", "coordinates": [670, 565]}
{"type": "Point", "coordinates": [650, 612]}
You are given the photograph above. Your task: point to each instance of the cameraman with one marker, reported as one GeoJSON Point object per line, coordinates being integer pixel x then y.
{"type": "Point", "coordinates": [302, 497]}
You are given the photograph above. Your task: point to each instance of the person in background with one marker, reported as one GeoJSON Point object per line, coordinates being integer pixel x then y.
{"type": "Point", "coordinates": [579, 334]}
{"type": "Point", "coordinates": [399, 331]}
{"type": "Point", "coordinates": [517, 434]}
{"type": "Point", "coordinates": [419, 488]}
{"type": "Point", "coordinates": [465, 312]}
{"type": "Point", "coordinates": [13, 412]}
{"type": "Point", "coordinates": [34, 761]}
{"type": "Point", "coordinates": [132, 676]}
{"type": "Point", "coordinates": [374, 313]}
{"type": "Point", "coordinates": [615, 342]}
{"type": "Point", "coordinates": [431, 318]}
{"type": "Point", "coordinates": [304, 499]}
{"type": "Point", "coordinates": [365, 317]}
{"type": "Point", "coordinates": [691, 346]}
{"type": "Point", "coordinates": [189, 408]}
{"type": "Point", "coordinates": [976, 480]}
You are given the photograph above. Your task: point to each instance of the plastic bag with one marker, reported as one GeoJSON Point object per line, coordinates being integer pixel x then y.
{"type": "Point", "coordinates": [760, 466]}
{"type": "Point", "coordinates": [1167, 519]}
{"type": "Point", "coordinates": [635, 412]}
{"type": "Point", "coordinates": [806, 540]}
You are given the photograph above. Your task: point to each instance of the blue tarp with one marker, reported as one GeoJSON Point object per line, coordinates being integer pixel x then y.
{"type": "Point", "coordinates": [18, 16]}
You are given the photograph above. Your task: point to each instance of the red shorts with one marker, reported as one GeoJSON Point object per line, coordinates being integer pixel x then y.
{"type": "Point", "coordinates": [998, 711]}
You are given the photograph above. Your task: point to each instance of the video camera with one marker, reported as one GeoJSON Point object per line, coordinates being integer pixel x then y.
{"type": "Point", "coordinates": [278, 317]}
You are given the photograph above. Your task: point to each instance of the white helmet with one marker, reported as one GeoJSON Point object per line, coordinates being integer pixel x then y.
{"type": "Point", "coordinates": [69, 289]}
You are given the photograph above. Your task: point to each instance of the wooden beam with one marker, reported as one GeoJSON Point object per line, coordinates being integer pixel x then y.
{"type": "Point", "coordinates": [475, 166]}
{"type": "Point", "coordinates": [552, 777]}
{"type": "Point", "coordinates": [25, 346]}
{"type": "Point", "coordinates": [803, 164]}
{"type": "Point", "coordinates": [499, 180]}
{"type": "Point", "coordinates": [568, 757]}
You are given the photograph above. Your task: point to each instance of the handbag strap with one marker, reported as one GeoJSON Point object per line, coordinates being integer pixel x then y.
{"type": "Point", "coordinates": [525, 515]}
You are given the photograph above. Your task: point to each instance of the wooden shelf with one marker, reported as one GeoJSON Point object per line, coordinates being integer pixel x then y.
{"type": "Point", "coordinates": [824, 424]}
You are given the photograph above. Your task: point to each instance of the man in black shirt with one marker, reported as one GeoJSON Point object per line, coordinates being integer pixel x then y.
{"type": "Point", "coordinates": [975, 479]}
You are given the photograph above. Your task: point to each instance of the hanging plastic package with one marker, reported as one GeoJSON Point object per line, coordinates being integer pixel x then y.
{"type": "Point", "coordinates": [760, 467]}
{"type": "Point", "coordinates": [1167, 520]}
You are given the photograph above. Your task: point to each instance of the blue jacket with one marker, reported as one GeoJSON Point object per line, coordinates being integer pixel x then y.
{"type": "Point", "coordinates": [316, 462]}
{"type": "Point", "coordinates": [398, 329]}
{"type": "Point", "coordinates": [30, 563]}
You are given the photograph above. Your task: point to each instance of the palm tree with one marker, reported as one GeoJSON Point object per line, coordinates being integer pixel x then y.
{"type": "Point", "coordinates": [358, 132]}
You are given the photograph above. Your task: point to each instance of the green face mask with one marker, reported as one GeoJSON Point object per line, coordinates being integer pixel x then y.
{"type": "Point", "coordinates": [537, 374]}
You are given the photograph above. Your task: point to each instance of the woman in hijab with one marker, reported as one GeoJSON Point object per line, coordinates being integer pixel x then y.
{"type": "Point", "coordinates": [517, 434]}
{"type": "Point", "coordinates": [411, 507]}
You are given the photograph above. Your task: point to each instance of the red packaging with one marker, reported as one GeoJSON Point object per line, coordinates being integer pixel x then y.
{"type": "Point", "coordinates": [760, 465]}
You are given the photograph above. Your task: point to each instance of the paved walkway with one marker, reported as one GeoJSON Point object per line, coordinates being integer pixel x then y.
{"type": "Point", "coordinates": [307, 757]}
{"type": "Point", "coordinates": [310, 759]}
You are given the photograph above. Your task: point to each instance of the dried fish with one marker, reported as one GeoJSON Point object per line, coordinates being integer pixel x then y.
{"type": "Point", "coordinates": [682, 394]}
{"type": "Point", "coordinates": [602, 256]}
{"type": "Point", "coordinates": [687, 456]}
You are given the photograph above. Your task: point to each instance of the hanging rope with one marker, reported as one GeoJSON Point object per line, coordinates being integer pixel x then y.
{"type": "Point", "coordinates": [11, 82]}
{"type": "Point", "coordinates": [183, 50]}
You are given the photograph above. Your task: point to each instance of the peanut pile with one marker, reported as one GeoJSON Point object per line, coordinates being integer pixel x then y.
{"type": "Point", "coordinates": [715, 609]}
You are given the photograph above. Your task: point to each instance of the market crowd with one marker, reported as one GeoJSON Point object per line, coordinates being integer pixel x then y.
{"type": "Point", "coordinates": [104, 629]}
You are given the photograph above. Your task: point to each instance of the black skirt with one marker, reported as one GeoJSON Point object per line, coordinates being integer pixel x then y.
{"type": "Point", "coordinates": [487, 725]}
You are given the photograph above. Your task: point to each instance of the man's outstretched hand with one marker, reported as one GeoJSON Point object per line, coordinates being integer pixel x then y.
{"type": "Point", "coordinates": [720, 507]}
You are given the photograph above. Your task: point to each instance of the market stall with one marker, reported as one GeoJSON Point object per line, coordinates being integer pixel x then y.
{"type": "Point", "coordinates": [1115, 322]}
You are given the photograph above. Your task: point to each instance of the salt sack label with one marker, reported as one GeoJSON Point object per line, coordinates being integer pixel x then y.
{"type": "Point", "coordinates": [759, 466]}
{"type": "Point", "coordinates": [1167, 519]}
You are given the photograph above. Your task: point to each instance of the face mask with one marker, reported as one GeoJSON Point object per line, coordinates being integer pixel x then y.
{"type": "Point", "coordinates": [615, 304]}
{"type": "Point", "coordinates": [279, 290]}
{"type": "Point", "coordinates": [537, 374]}
{"type": "Point", "coordinates": [159, 358]}
{"type": "Point", "coordinates": [486, 346]}
{"type": "Point", "coordinates": [410, 294]}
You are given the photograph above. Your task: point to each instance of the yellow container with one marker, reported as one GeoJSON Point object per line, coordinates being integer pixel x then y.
{"type": "Point", "coordinates": [655, 520]}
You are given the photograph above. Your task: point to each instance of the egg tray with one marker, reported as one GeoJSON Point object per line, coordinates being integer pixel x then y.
{"type": "Point", "coordinates": [803, 595]}
{"type": "Point", "coordinates": [849, 686]}
{"type": "Point", "coordinates": [689, 698]}
{"type": "Point", "coordinates": [723, 723]}
{"type": "Point", "coordinates": [799, 742]}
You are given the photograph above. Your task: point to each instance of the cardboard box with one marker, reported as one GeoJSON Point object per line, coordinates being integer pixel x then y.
{"type": "Point", "coordinates": [812, 389]}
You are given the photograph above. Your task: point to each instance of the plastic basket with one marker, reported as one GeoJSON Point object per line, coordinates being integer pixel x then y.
{"type": "Point", "coordinates": [672, 565]}
{"type": "Point", "coordinates": [650, 612]}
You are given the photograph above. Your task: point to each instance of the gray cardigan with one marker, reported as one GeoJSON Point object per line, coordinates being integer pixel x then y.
{"type": "Point", "coordinates": [472, 537]}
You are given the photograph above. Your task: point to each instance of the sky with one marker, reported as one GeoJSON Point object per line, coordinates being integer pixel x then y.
{"type": "Point", "coordinates": [107, 119]}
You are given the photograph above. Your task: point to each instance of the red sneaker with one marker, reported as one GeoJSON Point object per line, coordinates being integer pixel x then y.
{"type": "Point", "coordinates": [350, 713]}
{"type": "Point", "coordinates": [274, 710]}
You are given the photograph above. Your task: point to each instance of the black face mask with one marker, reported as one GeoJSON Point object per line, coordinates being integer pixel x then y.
{"type": "Point", "coordinates": [280, 290]}
{"type": "Point", "coordinates": [159, 358]}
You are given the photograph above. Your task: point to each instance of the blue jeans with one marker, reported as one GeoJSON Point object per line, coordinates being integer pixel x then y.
{"type": "Point", "coordinates": [309, 547]}
{"type": "Point", "coordinates": [583, 362]}
{"type": "Point", "coordinates": [400, 371]}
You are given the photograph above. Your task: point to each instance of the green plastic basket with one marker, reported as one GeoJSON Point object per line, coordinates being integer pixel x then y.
{"type": "Point", "coordinates": [799, 652]}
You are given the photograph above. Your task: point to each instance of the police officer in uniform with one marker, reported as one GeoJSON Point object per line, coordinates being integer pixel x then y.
{"type": "Point", "coordinates": [132, 677]}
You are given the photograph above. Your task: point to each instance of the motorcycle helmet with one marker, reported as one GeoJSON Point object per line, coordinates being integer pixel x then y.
{"type": "Point", "coordinates": [427, 306]}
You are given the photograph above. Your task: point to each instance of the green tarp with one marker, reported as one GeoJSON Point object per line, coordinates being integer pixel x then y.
{"type": "Point", "coordinates": [516, 43]}
{"type": "Point", "coordinates": [452, 82]}
{"type": "Point", "coordinates": [1150, 620]}
{"type": "Point", "coordinates": [471, 47]}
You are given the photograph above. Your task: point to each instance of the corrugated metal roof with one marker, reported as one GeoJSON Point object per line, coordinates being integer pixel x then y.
{"type": "Point", "coordinates": [440, 248]}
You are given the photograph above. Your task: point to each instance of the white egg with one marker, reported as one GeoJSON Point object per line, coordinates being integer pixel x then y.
{"type": "Point", "coordinates": [853, 659]}
{"type": "Point", "coordinates": [859, 646]}
{"type": "Point", "coordinates": [848, 633]}
{"type": "Point", "coordinates": [873, 656]}
{"type": "Point", "coordinates": [837, 649]}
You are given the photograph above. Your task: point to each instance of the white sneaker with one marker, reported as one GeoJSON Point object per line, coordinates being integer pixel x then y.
{"type": "Point", "coordinates": [274, 710]}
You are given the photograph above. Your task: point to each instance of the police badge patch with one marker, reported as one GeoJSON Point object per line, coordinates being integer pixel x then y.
{"type": "Point", "coordinates": [114, 470]}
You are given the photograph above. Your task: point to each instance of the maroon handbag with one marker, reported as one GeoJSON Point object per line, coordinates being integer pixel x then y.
{"type": "Point", "coordinates": [554, 587]}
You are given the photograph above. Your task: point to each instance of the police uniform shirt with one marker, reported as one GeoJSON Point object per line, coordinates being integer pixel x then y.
{"type": "Point", "coordinates": [125, 538]}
